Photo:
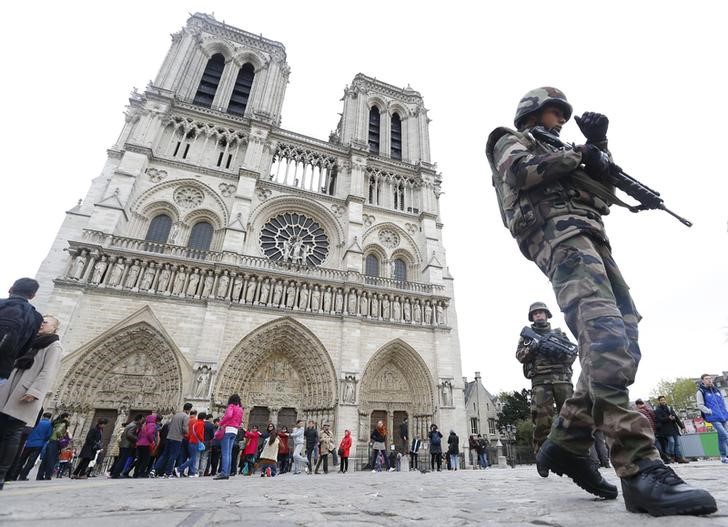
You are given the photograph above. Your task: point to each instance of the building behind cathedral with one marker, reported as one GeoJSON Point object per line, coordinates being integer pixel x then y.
{"type": "Point", "coordinates": [219, 253]}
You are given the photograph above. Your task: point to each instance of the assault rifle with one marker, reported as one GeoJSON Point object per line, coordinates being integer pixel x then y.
{"type": "Point", "coordinates": [551, 346]}
{"type": "Point", "coordinates": [649, 199]}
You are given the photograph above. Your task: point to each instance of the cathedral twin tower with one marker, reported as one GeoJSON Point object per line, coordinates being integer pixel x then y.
{"type": "Point", "coordinates": [218, 253]}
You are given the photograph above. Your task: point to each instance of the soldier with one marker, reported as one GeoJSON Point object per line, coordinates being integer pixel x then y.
{"type": "Point", "coordinates": [552, 200]}
{"type": "Point", "coordinates": [550, 374]}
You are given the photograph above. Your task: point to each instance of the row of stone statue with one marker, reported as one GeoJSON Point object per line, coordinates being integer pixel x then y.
{"type": "Point", "coordinates": [187, 281]}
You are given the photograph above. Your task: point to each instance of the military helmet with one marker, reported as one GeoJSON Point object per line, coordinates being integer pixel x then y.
{"type": "Point", "coordinates": [536, 99]}
{"type": "Point", "coordinates": [538, 306]}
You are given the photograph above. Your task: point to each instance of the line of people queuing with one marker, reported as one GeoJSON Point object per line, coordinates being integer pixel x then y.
{"type": "Point", "coordinates": [193, 444]}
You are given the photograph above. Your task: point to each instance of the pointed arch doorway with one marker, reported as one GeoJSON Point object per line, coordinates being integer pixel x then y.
{"type": "Point", "coordinates": [282, 372]}
{"type": "Point", "coordinates": [396, 384]}
{"type": "Point", "coordinates": [132, 368]}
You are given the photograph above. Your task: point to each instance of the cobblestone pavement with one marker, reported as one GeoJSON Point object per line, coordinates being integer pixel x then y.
{"type": "Point", "coordinates": [511, 497]}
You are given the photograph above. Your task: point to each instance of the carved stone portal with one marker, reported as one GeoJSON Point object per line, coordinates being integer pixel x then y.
{"type": "Point", "coordinates": [134, 368]}
{"type": "Point", "coordinates": [397, 379]}
{"type": "Point", "coordinates": [280, 365]}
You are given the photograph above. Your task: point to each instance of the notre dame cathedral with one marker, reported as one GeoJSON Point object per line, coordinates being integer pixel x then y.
{"type": "Point", "coordinates": [219, 253]}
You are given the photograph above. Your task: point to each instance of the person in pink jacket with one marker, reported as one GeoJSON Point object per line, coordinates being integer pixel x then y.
{"type": "Point", "coordinates": [228, 429]}
{"type": "Point", "coordinates": [147, 439]}
{"type": "Point", "coordinates": [251, 449]}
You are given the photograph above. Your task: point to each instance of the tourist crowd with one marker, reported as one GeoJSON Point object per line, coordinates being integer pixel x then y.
{"type": "Point", "coordinates": [193, 444]}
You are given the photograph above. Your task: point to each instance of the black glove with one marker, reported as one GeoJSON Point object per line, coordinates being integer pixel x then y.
{"type": "Point", "coordinates": [593, 126]}
{"type": "Point", "coordinates": [596, 161]}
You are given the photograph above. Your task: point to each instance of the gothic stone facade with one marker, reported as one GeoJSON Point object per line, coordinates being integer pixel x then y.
{"type": "Point", "coordinates": [219, 253]}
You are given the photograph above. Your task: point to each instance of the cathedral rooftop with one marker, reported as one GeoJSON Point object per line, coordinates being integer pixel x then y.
{"type": "Point", "coordinates": [209, 23]}
{"type": "Point", "coordinates": [361, 79]}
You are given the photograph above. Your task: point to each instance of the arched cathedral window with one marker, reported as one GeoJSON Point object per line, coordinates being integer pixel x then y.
{"type": "Point", "coordinates": [158, 232]}
{"type": "Point", "coordinates": [210, 80]}
{"type": "Point", "coordinates": [374, 130]}
{"type": "Point", "coordinates": [396, 137]}
{"type": "Point", "coordinates": [200, 238]}
{"type": "Point", "coordinates": [400, 270]}
{"type": "Point", "coordinates": [241, 91]}
{"type": "Point", "coordinates": [371, 266]}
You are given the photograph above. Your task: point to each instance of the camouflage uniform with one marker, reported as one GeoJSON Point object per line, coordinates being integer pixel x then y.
{"type": "Point", "coordinates": [550, 383]}
{"type": "Point", "coordinates": [554, 214]}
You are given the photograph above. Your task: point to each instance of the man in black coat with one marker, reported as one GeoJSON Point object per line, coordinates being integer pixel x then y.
{"type": "Point", "coordinates": [19, 324]}
{"type": "Point", "coordinates": [311, 436]}
{"type": "Point", "coordinates": [667, 430]}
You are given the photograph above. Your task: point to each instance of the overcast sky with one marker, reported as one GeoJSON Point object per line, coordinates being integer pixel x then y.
{"type": "Point", "coordinates": [656, 69]}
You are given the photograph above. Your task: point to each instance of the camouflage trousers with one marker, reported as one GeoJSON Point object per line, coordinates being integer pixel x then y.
{"type": "Point", "coordinates": [598, 309]}
{"type": "Point", "coordinates": [544, 398]}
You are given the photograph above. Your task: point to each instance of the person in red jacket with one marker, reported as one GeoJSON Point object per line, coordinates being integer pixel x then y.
{"type": "Point", "coordinates": [344, 448]}
{"type": "Point", "coordinates": [196, 430]}
{"type": "Point", "coordinates": [284, 451]}
{"type": "Point", "coordinates": [251, 449]}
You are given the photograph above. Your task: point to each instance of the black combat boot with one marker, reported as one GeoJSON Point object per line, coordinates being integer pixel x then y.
{"type": "Point", "coordinates": [657, 490]}
{"type": "Point", "coordinates": [581, 469]}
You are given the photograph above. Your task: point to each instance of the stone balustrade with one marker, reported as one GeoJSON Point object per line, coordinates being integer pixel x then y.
{"type": "Point", "coordinates": [137, 266]}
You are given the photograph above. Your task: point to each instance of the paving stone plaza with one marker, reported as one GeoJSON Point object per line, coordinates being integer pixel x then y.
{"type": "Point", "coordinates": [510, 497]}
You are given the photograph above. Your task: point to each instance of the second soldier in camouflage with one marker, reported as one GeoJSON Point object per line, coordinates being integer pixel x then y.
{"type": "Point", "coordinates": [550, 374]}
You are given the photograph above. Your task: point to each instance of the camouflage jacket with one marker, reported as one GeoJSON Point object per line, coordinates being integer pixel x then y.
{"type": "Point", "coordinates": [542, 192]}
{"type": "Point", "coordinates": [541, 369]}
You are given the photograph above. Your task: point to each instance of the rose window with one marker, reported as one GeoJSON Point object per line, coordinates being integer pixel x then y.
{"type": "Point", "coordinates": [293, 237]}
{"type": "Point", "coordinates": [188, 197]}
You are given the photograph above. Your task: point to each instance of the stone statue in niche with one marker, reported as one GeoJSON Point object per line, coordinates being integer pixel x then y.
{"type": "Point", "coordinates": [147, 278]}
{"type": "Point", "coordinates": [264, 290]}
{"type": "Point", "coordinates": [237, 288]}
{"type": "Point", "coordinates": [202, 382]}
{"type": "Point", "coordinates": [446, 393]}
{"type": "Point", "coordinates": [348, 390]}
{"type": "Point", "coordinates": [99, 269]}
{"type": "Point", "coordinates": [363, 425]}
{"type": "Point", "coordinates": [352, 302]}
{"type": "Point", "coordinates": [250, 291]}
{"type": "Point", "coordinates": [428, 313]}
{"type": "Point", "coordinates": [339, 301]}
{"type": "Point", "coordinates": [328, 297]}
{"type": "Point", "coordinates": [207, 285]}
{"type": "Point", "coordinates": [173, 234]}
{"type": "Point", "coordinates": [222, 285]}
{"type": "Point", "coordinates": [315, 299]}
{"type": "Point", "coordinates": [277, 293]}
{"type": "Point", "coordinates": [364, 304]}
{"type": "Point", "coordinates": [385, 307]}
{"type": "Point", "coordinates": [193, 283]}
{"type": "Point", "coordinates": [375, 306]}
{"type": "Point", "coordinates": [131, 278]}
{"type": "Point", "coordinates": [407, 309]}
{"type": "Point", "coordinates": [179, 282]}
{"type": "Point", "coordinates": [79, 265]}
{"type": "Point", "coordinates": [440, 313]}
{"type": "Point", "coordinates": [164, 276]}
{"type": "Point", "coordinates": [291, 295]}
{"type": "Point", "coordinates": [396, 309]}
{"type": "Point", "coordinates": [417, 313]}
{"type": "Point", "coordinates": [116, 273]}
{"type": "Point", "coordinates": [303, 297]}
